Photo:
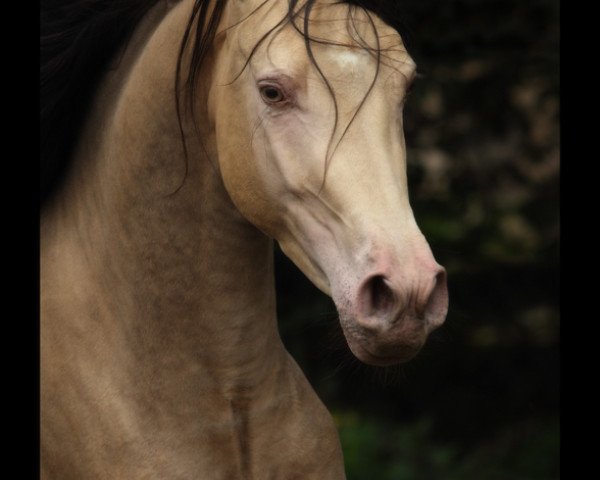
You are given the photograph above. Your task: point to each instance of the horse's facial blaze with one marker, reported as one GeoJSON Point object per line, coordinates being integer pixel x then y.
{"type": "Point", "coordinates": [336, 199]}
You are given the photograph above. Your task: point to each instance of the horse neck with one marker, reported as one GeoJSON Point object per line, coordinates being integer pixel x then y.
{"type": "Point", "coordinates": [171, 268]}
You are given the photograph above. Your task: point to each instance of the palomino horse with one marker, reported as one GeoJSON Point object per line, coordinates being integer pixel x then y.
{"type": "Point", "coordinates": [160, 352]}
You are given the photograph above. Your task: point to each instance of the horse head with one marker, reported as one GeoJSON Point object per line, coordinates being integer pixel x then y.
{"type": "Point", "coordinates": [307, 111]}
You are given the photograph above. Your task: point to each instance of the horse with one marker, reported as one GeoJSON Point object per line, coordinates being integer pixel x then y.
{"type": "Point", "coordinates": [216, 129]}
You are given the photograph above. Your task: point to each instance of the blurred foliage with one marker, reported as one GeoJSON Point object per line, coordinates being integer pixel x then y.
{"type": "Point", "coordinates": [384, 451]}
{"type": "Point", "coordinates": [482, 131]}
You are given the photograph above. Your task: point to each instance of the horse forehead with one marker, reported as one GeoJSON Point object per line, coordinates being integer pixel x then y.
{"type": "Point", "coordinates": [350, 59]}
{"type": "Point", "coordinates": [344, 42]}
{"type": "Point", "coordinates": [340, 22]}
{"type": "Point", "coordinates": [352, 38]}
{"type": "Point", "coordinates": [345, 64]}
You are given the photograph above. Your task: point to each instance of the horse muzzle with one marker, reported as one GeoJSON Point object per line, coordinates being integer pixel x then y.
{"type": "Point", "coordinates": [388, 315]}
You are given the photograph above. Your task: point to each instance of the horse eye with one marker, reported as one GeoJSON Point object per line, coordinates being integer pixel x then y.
{"type": "Point", "coordinates": [271, 94]}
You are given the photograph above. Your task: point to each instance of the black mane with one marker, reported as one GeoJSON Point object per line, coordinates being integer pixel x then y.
{"type": "Point", "coordinates": [79, 38]}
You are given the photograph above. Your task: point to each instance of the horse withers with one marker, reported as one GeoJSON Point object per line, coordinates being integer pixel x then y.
{"type": "Point", "coordinates": [271, 119]}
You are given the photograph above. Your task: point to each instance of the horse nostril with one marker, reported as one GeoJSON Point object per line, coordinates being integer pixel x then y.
{"type": "Point", "coordinates": [381, 306]}
{"type": "Point", "coordinates": [436, 307]}
{"type": "Point", "coordinates": [381, 298]}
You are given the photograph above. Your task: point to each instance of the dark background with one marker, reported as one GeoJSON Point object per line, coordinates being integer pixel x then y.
{"type": "Point", "coordinates": [481, 401]}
